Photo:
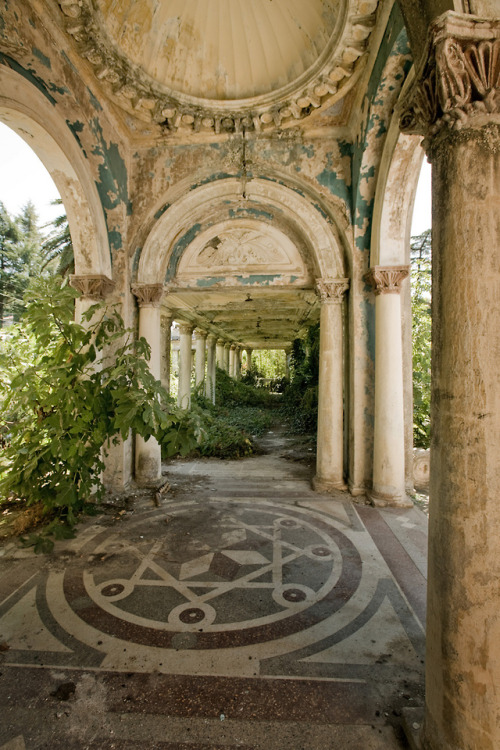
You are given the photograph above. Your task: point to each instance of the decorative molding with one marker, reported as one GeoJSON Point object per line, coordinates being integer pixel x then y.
{"type": "Point", "coordinates": [387, 279]}
{"type": "Point", "coordinates": [148, 295]}
{"type": "Point", "coordinates": [331, 291]}
{"type": "Point", "coordinates": [186, 328]}
{"type": "Point", "coordinates": [93, 287]}
{"type": "Point", "coordinates": [137, 92]}
{"type": "Point", "coordinates": [459, 80]}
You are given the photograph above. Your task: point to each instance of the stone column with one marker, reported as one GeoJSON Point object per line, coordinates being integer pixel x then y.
{"type": "Point", "coordinates": [211, 371]}
{"type": "Point", "coordinates": [227, 349]}
{"type": "Point", "coordinates": [220, 354]}
{"type": "Point", "coordinates": [200, 344]}
{"type": "Point", "coordinates": [455, 103]}
{"type": "Point", "coordinates": [330, 450]}
{"type": "Point", "coordinates": [237, 363]}
{"type": "Point", "coordinates": [232, 360]}
{"type": "Point", "coordinates": [185, 364]}
{"type": "Point", "coordinates": [389, 429]}
{"type": "Point", "coordinates": [166, 324]}
{"type": "Point", "coordinates": [249, 358]}
{"type": "Point", "coordinates": [148, 453]}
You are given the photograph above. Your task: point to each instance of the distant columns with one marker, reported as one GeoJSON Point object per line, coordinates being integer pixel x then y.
{"type": "Point", "coordinates": [232, 360]}
{"type": "Point", "coordinates": [389, 434]}
{"type": "Point", "coordinates": [148, 453]}
{"type": "Point", "coordinates": [330, 451]}
{"type": "Point", "coordinates": [249, 358]}
{"type": "Point", "coordinates": [166, 324]}
{"type": "Point", "coordinates": [227, 349]}
{"type": "Point", "coordinates": [200, 343]}
{"type": "Point", "coordinates": [185, 363]}
{"type": "Point", "coordinates": [211, 371]}
{"type": "Point", "coordinates": [237, 374]}
{"type": "Point", "coordinates": [220, 354]}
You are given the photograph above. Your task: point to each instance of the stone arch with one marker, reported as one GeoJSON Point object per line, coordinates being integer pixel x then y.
{"type": "Point", "coordinates": [298, 216]}
{"type": "Point", "coordinates": [29, 113]}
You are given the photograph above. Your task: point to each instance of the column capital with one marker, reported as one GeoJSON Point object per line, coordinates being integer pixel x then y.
{"type": "Point", "coordinates": [200, 334]}
{"type": "Point", "coordinates": [95, 287]}
{"type": "Point", "coordinates": [148, 295]}
{"type": "Point", "coordinates": [211, 338]}
{"type": "Point", "coordinates": [331, 291]}
{"type": "Point", "coordinates": [227, 345]}
{"type": "Point", "coordinates": [233, 347]}
{"type": "Point", "coordinates": [387, 279]}
{"type": "Point", "coordinates": [458, 83]}
{"type": "Point", "coordinates": [186, 328]}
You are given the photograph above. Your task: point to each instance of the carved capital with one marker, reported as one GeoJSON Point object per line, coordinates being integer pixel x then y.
{"type": "Point", "coordinates": [93, 287]}
{"type": "Point", "coordinates": [458, 85]}
{"type": "Point", "coordinates": [186, 328]}
{"type": "Point", "coordinates": [387, 279]}
{"type": "Point", "coordinates": [148, 295]}
{"type": "Point", "coordinates": [331, 291]}
{"type": "Point", "coordinates": [200, 334]}
{"type": "Point", "coordinates": [211, 339]}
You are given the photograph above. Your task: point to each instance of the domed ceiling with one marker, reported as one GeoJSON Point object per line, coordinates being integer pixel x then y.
{"type": "Point", "coordinates": [222, 65]}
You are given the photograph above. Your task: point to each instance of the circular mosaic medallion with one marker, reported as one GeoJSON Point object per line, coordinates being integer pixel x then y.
{"type": "Point", "coordinates": [231, 574]}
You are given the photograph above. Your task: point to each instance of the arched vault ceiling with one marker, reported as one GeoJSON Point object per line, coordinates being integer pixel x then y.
{"type": "Point", "coordinates": [222, 65]}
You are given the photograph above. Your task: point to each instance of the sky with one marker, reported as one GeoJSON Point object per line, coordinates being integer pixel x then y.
{"type": "Point", "coordinates": [23, 177]}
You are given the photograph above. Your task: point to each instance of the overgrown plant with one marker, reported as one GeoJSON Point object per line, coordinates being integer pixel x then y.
{"type": "Point", "coordinates": [300, 396]}
{"type": "Point", "coordinates": [68, 392]}
{"type": "Point", "coordinates": [421, 288]}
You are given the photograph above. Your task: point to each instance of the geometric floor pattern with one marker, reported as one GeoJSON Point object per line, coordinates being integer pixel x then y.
{"type": "Point", "coordinates": [217, 620]}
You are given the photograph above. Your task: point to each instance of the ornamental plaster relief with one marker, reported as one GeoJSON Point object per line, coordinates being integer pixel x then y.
{"type": "Point", "coordinates": [151, 98]}
{"type": "Point", "coordinates": [459, 83]}
{"type": "Point", "coordinates": [148, 295]}
{"type": "Point", "coordinates": [93, 287]}
{"type": "Point", "coordinates": [388, 279]}
{"type": "Point", "coordinates": [332, 291]}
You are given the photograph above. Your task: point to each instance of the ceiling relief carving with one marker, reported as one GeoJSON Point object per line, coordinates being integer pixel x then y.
{"type": "Point", "coordinates": [242, 252]}
{"type": "Point", "coordinates": [177, 64]}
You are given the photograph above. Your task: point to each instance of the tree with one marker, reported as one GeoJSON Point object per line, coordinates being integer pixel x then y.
{"type": "Point", "coordinates": [9, 266]}
{"type": "Point", "coordinates": [421, 288]}
{"type": "Point", "coordinates": [58, 246]}
{"type": "Point", "coordinates": [59, 409]}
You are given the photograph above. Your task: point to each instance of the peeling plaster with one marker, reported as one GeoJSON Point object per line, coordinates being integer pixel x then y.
{"type": "Point", "coordinates": [29, 75]}
{"type": "Point", "coordinates": [43, 58]}
{"type": "Point", "coordinates": [179, 248]}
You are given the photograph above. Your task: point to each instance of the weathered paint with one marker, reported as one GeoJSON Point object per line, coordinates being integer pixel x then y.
{"type": "Point", "coordinates": [210, 281]}
{"type": "Point", "coordinates": [179, 248]}
{"type": "Point", "coordinates": [334, 182]}
{"type": "Point", "coordinates": [40, 56]}
{"type": "Point", "coordinates": [264, 279]}
{"type": "Point", "coordinates": [113, 179]}
{"type": "Point", "coordinates": [95, 102]}
{"type": "Point", "coordinates": [76, 128]}
{"type": "Point", "coordinates": [161, 211]}
{"type": "Point", "coordinates": [255, 213]}
{"type": "Point", "coordinates": [115, 239]}
{"type": "Point", "coordinates": [29, 75]}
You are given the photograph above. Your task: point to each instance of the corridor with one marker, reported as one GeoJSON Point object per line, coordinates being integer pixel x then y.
{"type": "Point", "coordinates": [237, 609]}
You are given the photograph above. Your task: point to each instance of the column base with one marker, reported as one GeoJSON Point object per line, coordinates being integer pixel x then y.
{"type": "Point", "coordinates": [148, 470]}
{"type": "Point", "coordinates": [413, 723]}
{"type": "Point", "coordinates": [355, 491]}
{"type": "Point", "coordinates": [387, 500]}
{"type": "Point", "coordinates": [327, 486]}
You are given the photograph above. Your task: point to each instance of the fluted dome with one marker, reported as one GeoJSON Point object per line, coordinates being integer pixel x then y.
{"type": "Point", "coordinates": [222, 49]}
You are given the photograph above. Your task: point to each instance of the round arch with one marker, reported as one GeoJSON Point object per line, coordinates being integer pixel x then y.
{"type": "Point", "coordinates": [316, 237]}
{"type": "Point", "coordinates": [29, 113]}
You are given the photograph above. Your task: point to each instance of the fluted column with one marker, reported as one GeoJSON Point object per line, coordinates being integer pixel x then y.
{"type": "Point", "coordinates": [200, 349]}
{"type": "Point", "coordinates": [227, 349]}
{"type": "Point", "coordinates": [220, 352]}
{"type": "Point", "coordinates": [148, 453]}
{"type": "Point", "coordinates": [389, 432]}
{"type": "Point", "coordinates": [330, 450]}
{"type": "Point", "coordinates": [232, 360]}
{"type": "Point", "coordinates": [455, 104]}
{"type": "Point", "coordinates": [185, 364]}
{"type": "Point", "coordinates": [211, 371]}
{"type": "Point", "coordinates": [166, 324]}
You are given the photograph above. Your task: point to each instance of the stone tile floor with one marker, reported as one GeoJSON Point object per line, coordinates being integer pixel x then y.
{"type": "Point", "coordinates": [245, 611]}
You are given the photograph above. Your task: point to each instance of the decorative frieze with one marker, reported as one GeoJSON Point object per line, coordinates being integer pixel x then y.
{"type": "Point", "coordinates": [387, 279]}
{"type": "Point", "coordinates": [95, 287]}
{"type": "Point", "coordinates": [148, 295]}
{"type": "Point", "coordinates": [331, 291]}
{"type": "Point", "coordinates": [459, 81]}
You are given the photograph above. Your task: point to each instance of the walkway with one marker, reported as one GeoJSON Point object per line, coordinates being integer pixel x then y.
{"type": "Point", "coordinates": [242, 611]}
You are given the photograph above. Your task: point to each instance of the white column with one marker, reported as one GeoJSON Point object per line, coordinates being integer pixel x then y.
{"type": "Point", "coordinates": [220, 354]}
{"type": "Point", "coordinates": [232, 360]}
{"type": "Point", "coordinates": [211, 371]}
{"type": "Point", "coordinates": [237, 363]}
{"type": "Point", "coordinates": [227, 349]}
{"type": "Point", "coordinates": [166, 324]}
{"type": "Point", "coordinates": [148, 453]}
{"type": "Point", "coordinates": [249, 358]}
{"type": "Point", "coordinates": [330, 450]}
{"type": "Point", "coordinates": [200, 344]}
{"type": "Point", "coordinates": [389, 430]}
{"type": "Point", "coordinates": [185, 364]}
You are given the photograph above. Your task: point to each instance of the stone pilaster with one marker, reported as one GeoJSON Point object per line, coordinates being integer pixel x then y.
{"type": "Point", "coordinates": [185, 364]}
{"type": "Point", "coordinates": [330, 451]}
{"type": "Point", "coordinates": [388, 486]}
{"type": "Point", "coordinates": [455, 104]}
{"type": "Point", "coordinates": [148, 453]}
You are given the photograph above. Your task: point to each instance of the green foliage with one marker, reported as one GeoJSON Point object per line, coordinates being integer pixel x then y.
{"type": "Point", "coordinates": [57, 246]}
{"type": "Point", "coordinates": [229, 390]}
{"type": "Point", "coordinates": [67, 391]}
{"type": "Point", "coordinates": [300, 397]}
{"type": "Point", "coordinates": [421, 286]}
{"type": "Point", "coordinates": [269, 363]}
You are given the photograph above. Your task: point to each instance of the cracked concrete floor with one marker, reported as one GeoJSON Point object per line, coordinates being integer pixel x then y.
{"type": "Point", "coordinates": [245, 611]}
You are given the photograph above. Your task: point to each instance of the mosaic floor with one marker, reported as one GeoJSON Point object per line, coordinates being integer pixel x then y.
{"type": "Point", "coordinates": [260, 618]}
